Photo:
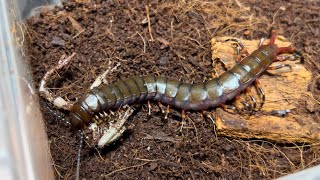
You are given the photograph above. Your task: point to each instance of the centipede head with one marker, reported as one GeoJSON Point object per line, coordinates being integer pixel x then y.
{"type": "Point", "coordinates": [79, 116]}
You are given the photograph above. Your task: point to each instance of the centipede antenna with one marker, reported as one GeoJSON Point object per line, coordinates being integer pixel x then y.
{"type": "Point", "coordinates": [79, 154]}
{"type": "Point", "coordinates": [59, 116]}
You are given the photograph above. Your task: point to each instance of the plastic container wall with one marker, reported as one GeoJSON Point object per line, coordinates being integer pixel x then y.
{"type": "Point", "coordinates": [24, 152]}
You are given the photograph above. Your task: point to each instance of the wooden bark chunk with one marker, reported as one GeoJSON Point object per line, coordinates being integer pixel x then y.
{"type": "Point", "coordinates": [283, 91]}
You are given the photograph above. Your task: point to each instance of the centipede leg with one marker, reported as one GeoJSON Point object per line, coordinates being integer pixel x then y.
{"type": "Point", "coordinates": [240, 48]}
{"type": "Point", "coordinates": [208, 115]}
{"type": "Point", "coordinates": [238, 101]}
{"type": "Point", "coordinates": [161, 107]}
{"type": "Point", "coordinates": [226, 107]}
{"type": "Point", "coordinates": [184, 117]}
{"type": "Point", "coordinates": [167, 112]}
{"type": "Point", "coordinates": [253, 99]}
{"type": "Point", "coordinates": [149, 108]}
{"type": "Point", "coordinates": [292, 57]}
{"type": "Point", "coordinates": [261, 93]}
{"type": "Point", "coordinates": [247, 106]}
{"type": "Point", "coordinates": [223, 64]}
{"type": "Point", "coordinates": [279, 67]}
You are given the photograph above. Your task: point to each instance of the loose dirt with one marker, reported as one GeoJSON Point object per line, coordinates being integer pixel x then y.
{"type": "Point", "coordinates": [170, 38]}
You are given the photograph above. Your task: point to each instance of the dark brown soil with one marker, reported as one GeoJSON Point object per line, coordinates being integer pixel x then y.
{"type": "Point", "coordinates": [117, 31]}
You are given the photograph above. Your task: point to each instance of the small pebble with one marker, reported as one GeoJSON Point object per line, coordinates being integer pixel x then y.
{"type": "Point", "coordinates": [57, 41]}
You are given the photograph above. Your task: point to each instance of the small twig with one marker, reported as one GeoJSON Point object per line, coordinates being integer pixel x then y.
{"type": "Point", "coordinates": [75, 24]}
{"type": "Point", "coordinates": [78, 34]}
{"type": "Point", "coordinates": [144, 43]}
{"type": "Point", "coordinates": [118, 170]}
{"type": "Point", "coordinates": [58, 101]}
{"type": "Point", "coordinates": [54, 165]}
{"type": "Point", "coordinates": [195, 128]}
{"type": "Point", "coordinates": [149, 24]}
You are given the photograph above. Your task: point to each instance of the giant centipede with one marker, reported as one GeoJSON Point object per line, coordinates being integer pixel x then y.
{"type": "Point", "coordinates": [187, 97]}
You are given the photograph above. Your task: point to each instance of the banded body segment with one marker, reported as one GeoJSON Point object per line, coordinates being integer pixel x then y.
{"type": "Point", "coordinates": [134, 90]}
{"type": "Point", "coordinates": [119, 96]}
{"type": "Point", "coordinates": [241, 73]}
{"type": "Point", "coordinates": [125, 95]}
{"type": "Point", "coordinates": [198, 95]}
{"type": "Point", "coordinates": [171, 91]}
{"type": "Point", "coordinates": [182, 96]}
{"type": "Point", "coordinates": [143, 90]}
{"type": "Point", "coordinates": [108, 95]}
{"type": "Point", "coordinates": [161, 88]}
{"type": "Point", "coordinates": [214, 92]}
{"type": "Point", "coordinates": [151, 85]}
{"type": "Point", "coordinates": [229, 82]}
{"type": "Point", "coordinates": [252, 64]}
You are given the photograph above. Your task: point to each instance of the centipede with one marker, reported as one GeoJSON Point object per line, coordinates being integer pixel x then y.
{"type": "Point", "coordinates": [104, 98]}
{"type": "Point", "coordinates": [177, 94]}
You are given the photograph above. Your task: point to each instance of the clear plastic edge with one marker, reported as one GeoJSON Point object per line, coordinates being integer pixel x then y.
{"type": "Point", "coordinates": [24, 148]}
{"type": "Point", "coordinates": [312, 173]}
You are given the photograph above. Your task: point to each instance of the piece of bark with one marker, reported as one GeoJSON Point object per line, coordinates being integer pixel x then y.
{"type": "Point", "coordinates": [283, 91]}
